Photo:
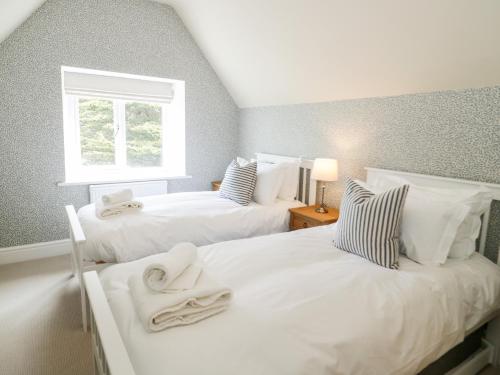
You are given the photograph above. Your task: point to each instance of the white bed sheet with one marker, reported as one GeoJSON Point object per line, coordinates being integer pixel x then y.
{"type": "Point", "coordinates": [198, 217]}
{"type": "Point", "coordinates": [301, 306]}
{"type": "Point", "coordinates": [478, 280]}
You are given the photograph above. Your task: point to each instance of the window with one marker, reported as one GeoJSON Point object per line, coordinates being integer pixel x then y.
{"type": "Point", "coordinates": [122, 127]}
{"type": "Point", "coordinates": [132, 139]}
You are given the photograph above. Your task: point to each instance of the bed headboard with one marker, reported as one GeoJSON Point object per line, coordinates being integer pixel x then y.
{"type": "Point", "coordinates": [306, 188]}
{"type": "Point", "coordinates": [444, 182]}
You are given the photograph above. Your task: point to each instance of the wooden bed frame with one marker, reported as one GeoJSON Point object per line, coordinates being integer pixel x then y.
{"type": "Point", "coordinates": [110, 354]}
{"type": "Point", "coordinates": [306, 193]}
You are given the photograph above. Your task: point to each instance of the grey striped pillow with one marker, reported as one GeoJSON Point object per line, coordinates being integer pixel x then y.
{"type": "Point", "coordinates": [369, 224]}
{"type": "Point", "coordinates": [239, 182]}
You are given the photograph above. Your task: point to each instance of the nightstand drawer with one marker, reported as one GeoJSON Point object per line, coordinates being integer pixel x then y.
{"type": "Point", "coordinates": [307, 217]}
{"type": "Point", "coordinates": [301, 222]}
{"type": "Point", "coordinates": [216, 185]}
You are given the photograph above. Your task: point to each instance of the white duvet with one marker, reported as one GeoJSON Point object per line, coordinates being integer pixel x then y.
{"type": "Point", "coordinates": [198, 217]}
{"type": "Point", "coordinates": [301, 306]}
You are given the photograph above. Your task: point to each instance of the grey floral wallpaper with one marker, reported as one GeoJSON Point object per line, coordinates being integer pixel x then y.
{"type": "Point", "coordinates": [129, 36]}
{"type": "Point", "coordinates": [451, 133]}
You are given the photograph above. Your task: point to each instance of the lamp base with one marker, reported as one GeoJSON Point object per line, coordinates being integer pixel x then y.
{"type": "Point", "coordinates": [321, 210]}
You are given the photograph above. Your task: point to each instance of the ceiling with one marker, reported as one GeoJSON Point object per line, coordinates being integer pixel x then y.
{"type": "Point", "coordinates": [272, 52]}
{"type": "Point", "coordinates": [13, 13]}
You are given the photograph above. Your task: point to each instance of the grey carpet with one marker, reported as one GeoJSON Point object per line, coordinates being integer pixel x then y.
{"type": "Point", "coordinates": [40, 320]}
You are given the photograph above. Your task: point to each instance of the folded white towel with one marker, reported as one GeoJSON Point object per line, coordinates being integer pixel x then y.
{"type": "Point", "coordinates": [186, 280]}
{"type": "Point", "coordinates": [161, 274]}
{"type": "Point", "coordinates": [159, 311]}
{"type": "Point", "coordinates": [104, 211]}
{"type": "Point", "coordinates": [117, 197]}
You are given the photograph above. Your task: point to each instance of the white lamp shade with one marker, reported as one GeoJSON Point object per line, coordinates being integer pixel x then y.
{"type": "Point", "coordinates": [325, 170]}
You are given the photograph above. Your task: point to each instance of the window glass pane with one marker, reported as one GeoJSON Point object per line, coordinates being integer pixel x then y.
{"type": "Point", "coordinates": [144, 138]}
{"type": "Point", "coordinates": [96, 131]}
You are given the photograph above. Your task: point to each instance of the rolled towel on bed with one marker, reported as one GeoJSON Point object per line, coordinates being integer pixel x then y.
{"type": "Point", "coordinates": [174, 270]}
{"type": "Point", "coordinates": [159, 311]}
{"type": "Point", "coordinates": [103, 211]}
{"type": "Point", "coordinates": [118, 197]}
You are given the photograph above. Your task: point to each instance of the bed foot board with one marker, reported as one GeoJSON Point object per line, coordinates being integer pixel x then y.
{"type": "Point", "coordinates": [77, 271]}
{"type": "Point", "coordinates": [109, 352]}
{"type": "Point", "coordinates": [74, 269]}
{"type": "Point", "coordinates": [100, 363]}
{"type": "Point", "coordinates": [77, 240]}
{"type": "Point", "coordinates": [83, 299]}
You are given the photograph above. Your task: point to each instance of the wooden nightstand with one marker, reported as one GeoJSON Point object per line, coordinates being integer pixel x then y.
{"type": "Point", "coordinates": [306, 217]}
{"type": "Point", "coordinates": [216, 185]}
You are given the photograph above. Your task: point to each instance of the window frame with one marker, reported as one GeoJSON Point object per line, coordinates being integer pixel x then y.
{"type": "Point", "coordinates": [173, 141]}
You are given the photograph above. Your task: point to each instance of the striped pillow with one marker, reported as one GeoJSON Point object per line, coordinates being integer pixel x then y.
{"type": "Point", "coordinates": [369, 224]}
{"type": "Point", "coordinates": [239, 182]}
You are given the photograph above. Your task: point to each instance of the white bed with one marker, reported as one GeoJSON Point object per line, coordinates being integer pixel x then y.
{"type": "Point", "coordinates": [302, 306]}
{"type": "Point", "coordinates": [198, 217]}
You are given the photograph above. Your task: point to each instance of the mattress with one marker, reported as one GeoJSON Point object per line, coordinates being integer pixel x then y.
{"type": "Point", "coordinates": [198, 217]}
{"type": "Point", "coordinates": [301, 306]}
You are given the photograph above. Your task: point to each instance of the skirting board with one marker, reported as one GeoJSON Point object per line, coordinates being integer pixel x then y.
{"type": "Point", "coordinates": [34, 251]}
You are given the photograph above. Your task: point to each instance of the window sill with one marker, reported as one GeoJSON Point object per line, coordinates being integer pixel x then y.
{"type": "Point", "coordinates": [120, 181]}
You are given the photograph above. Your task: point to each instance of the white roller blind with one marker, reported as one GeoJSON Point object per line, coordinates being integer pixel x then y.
{"type": "Point", "coordinates": [118, 87]}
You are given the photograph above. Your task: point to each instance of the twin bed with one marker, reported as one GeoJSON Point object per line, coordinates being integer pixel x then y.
{"type": "Point", "coordinates": [199, 217]}
{"type": "Point", "coordinates": [302, 306]}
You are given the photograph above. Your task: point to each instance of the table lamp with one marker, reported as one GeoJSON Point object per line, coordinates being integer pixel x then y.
{"type": "Point", "coordinates": [324, 170]}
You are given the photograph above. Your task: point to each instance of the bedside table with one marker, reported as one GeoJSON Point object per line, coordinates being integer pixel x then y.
{"type": "Point", "coordinates": [216, 185]}
{"type": "Point", "coordinates": [306, 217]}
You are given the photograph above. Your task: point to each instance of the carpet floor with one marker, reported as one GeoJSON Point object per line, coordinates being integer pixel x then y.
{"type": "Point", "coordinates": [40, 320]}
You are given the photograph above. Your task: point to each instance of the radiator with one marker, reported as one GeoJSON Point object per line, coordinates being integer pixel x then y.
{"type": "Point", "coordinates": [140, 189]}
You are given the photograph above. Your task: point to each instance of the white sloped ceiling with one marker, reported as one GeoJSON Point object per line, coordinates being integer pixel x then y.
{"type": "Point", "coordinates": [271, 52]}
{"type": "Point", "coordinates": [13, 13]}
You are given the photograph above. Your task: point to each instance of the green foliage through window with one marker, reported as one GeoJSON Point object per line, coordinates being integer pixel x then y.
{"type": "Point", "coordinates": [96, 132]}
{"type": "Point", "coordinates": [143, 133]}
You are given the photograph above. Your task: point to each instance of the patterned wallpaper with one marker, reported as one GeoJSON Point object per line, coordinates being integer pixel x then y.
{"type": "Point", "coordinates": [450, 133]}
{"type": "Point", "coordinates": [130, 36]}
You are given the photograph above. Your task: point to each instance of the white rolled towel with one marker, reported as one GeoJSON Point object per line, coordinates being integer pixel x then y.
{"type": "Point", "coordinates": [176, 269]}
{"type": "Point", "coordinates": [159, 311]}
{"type": "Point", "coordinates": [104, 211]}
{"type": "Point", "coordinates": [117, 197]}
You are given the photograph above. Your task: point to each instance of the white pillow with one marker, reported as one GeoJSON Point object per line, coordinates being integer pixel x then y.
{"type": "Point", "coordinates": [465, 242]}
{"type": "Point", "coordinates": [243, 162]}
{"type": "Point", "coordinates": [429, 225]}
{"type": "Point", "coordinates": [476, 199]}
{"type": "Point", "coordinates": [269, 181]}
{"type": "Point", "coordinates": [288, 189]}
